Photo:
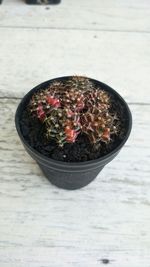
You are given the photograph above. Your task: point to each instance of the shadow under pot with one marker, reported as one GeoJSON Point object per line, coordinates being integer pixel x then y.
{"type": "Point", "coordinates": [67, 173]}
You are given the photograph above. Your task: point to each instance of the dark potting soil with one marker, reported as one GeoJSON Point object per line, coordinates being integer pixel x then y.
{"type": "Point", "coordinates": [79, 151]}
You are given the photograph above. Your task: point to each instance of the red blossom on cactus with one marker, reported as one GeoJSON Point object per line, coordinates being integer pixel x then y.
{"type": "Point", "coordinates": [80, 105]}
{"type": "Point", "coordinates": [53, 101]}
{"type": "Point", "coordinates": [40, 112]}
{"type": "Point", "coordinates": [69, 112]}
{"type": "Point", "coordinates": [106, 134]}
{"type": "Point", "coordinates": [71, 134]}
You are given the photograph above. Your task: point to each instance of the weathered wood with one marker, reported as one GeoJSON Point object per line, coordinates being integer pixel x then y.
{"type": "Point", "coordinates": [30, 56]}
{"type": "Point", "coordinates": [41, 225]}
{"type": "Point", "coordinates": [85, 14]}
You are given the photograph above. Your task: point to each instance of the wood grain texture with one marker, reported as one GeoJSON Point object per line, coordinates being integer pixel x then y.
{"type": "Point", "coordinates": [91, 15]}
{"type": "Point", "coordinates": [43, 226]}
{"type": "Point", "coordinates": [106, 222]}
{"type": "Point", "coordinates": [31, 56]}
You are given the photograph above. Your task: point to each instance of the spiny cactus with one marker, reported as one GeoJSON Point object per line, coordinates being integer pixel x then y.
{"type": "Point", "coordinates": [62, 126]}
{"type": "Point", "coordinates": [98, 125]}
{"type": "Point", "coordinates": [79, 83]}
{"type": "Point", "coordinates": [74, 107]}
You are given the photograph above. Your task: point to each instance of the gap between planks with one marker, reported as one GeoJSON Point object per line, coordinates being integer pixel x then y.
{"type": "Point", "coordinates": [129, 103]}
{"type": "Point", "coordinates": [73, 29]}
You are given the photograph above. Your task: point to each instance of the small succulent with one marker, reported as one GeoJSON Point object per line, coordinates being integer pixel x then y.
{"type": "Point", "coordinates": [74, 107]}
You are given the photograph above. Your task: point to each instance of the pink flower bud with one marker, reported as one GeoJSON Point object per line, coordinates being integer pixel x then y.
{"type": "Point", "coordinates": [106, 134]}
{"type": "Point", "coordinates": [80, 105]}
{"type": "Point", "coordinates": [53, 101]}
{"type": "Point", "coordinates": [71, 135]}
{"type": "Point", "coordinates": [40, 112]}
{"type": "Point", "coordinates": [70, 113]}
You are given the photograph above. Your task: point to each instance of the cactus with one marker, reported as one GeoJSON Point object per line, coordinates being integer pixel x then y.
{"type": "Point", "coordinates": [74, 107]}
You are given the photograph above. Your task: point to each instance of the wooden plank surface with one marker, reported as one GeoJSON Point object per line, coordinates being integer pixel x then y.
{"type": "Point", "coordinates": [107, 222]}
{"type": "Point", "coordinates": [30, 56]}
{"type": "Point", "coordinates": [42, 225]}
{"type": "Point", "coordinates": [90, 15]}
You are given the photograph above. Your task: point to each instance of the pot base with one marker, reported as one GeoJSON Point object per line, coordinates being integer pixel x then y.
{"type": "Point", "coordinates": [70, 180]}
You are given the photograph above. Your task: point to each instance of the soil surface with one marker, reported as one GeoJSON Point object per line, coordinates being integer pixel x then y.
{"type": "Point", "coordinates": [79, 151]}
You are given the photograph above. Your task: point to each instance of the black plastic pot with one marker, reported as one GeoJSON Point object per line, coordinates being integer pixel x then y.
{"type": "Point", "coordinates": [64, 174]}
{"type": "Point", "coordinates": [43, 2]}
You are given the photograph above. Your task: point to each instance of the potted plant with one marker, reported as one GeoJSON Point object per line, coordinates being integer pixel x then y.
{"type": "Point", "coordinates": [73, 126]}
{"type": "Point", "coordinates": [43, 2]}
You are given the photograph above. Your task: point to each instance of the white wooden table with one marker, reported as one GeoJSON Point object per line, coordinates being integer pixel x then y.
{"type": "Point", "coordinates": [107, 222]}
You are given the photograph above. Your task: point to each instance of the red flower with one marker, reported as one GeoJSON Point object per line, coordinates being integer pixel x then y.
{"type": "Point", "coordinates": [53, 101]}
{"type": "Point", "coordinates": [71, 135]}
{"type": "Point", "coordinates": [40, 112]}
{"type": "Point", "coordinates": [106, 134]}
{"type": "Point", "coordinates": [70, 113]}
{"type": "Point", "coordinates": [80, 105]}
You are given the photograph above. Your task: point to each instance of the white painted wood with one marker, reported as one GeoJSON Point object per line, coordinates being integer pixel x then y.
{"type": "Point", "coordinates": [31, 56]}
{"type": "Point", "coordinates": [43, 226]}
{"type": "Point", "coordinates": [86, 14]}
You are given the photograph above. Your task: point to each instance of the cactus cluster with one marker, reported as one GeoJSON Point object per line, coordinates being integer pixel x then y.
{"type": "Point", "coordinates": [74, 107]}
